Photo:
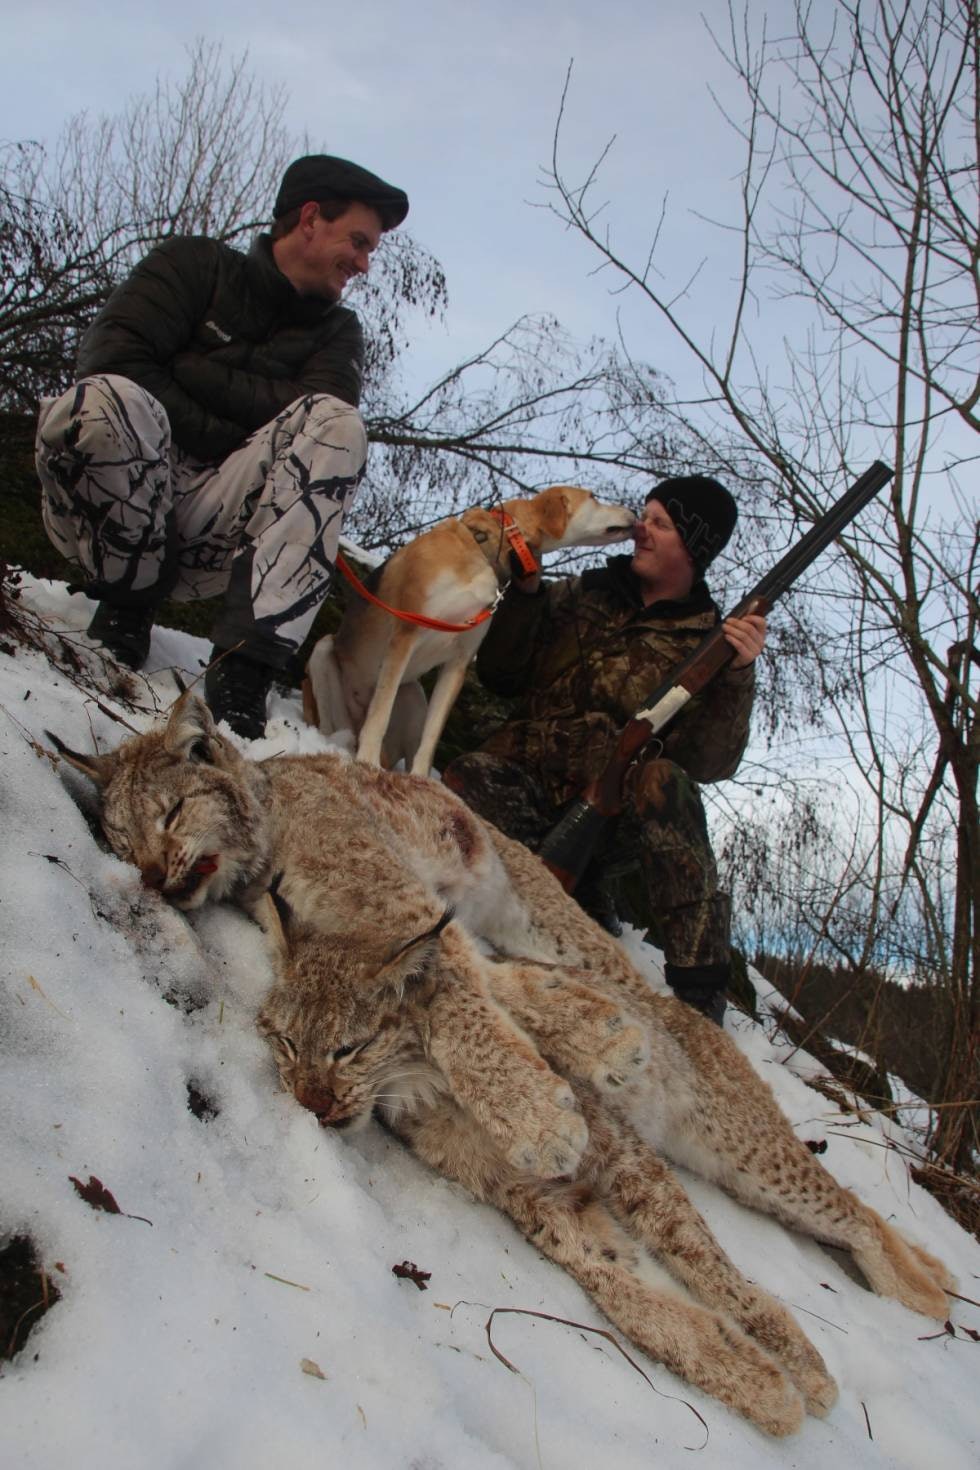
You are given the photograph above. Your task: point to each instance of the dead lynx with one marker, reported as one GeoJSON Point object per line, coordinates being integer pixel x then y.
{"type": "Point", "coordinates": [352, 1024]}
{"type": "Point", "coordinates": [365, 850]}
{"type": "Point", "coordinates": [491, 1067]}
{"type": "Point", "coordinates": [351, 845]}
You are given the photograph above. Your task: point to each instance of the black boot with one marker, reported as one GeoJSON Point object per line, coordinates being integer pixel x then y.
{"type": "Point", "coordinates": [123, 631]}
{"type": "Point", "coordinates": [593, 896]}
{"type": "Point", "coordinates": [700, 986]}
{"type": "Point", "coordinates": [236, 689]}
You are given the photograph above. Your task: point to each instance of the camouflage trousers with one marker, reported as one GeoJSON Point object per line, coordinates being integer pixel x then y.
{"type": "Point", "coordinates": [145, 521]}
{"type": "Point", "coordinates": [655, 866]}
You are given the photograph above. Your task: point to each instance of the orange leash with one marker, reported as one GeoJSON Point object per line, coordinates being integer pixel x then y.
{"type": "Point", "coordinates": [520, 548]}
{"type": "Point", "coordinates": [419, 619]}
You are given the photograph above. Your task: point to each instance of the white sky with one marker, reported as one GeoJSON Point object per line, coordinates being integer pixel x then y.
{"type": "Point", "coordinates": [179, 1343]}
{"type": "Point", "coordinates": [455, 102]}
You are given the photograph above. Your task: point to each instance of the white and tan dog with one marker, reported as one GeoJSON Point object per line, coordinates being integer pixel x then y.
{"type": "Point", "coordinates": [364, 678]}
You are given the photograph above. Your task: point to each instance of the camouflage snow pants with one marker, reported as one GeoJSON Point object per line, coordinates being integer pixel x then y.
{"type": "Point", "coordinates": [655, 863]}
{"type": "Point", "coordinates": [145, 521]}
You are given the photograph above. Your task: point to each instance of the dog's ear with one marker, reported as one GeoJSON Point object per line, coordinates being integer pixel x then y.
{"type": "Point", "coordinates": [554, 511]}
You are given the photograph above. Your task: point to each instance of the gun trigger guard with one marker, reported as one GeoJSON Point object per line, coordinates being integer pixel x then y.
{"type": "Point", "coordinates": [653, 750]}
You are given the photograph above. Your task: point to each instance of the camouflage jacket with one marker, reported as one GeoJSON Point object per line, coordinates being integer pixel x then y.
{"type": "Point", "coordinates": [586, 655]}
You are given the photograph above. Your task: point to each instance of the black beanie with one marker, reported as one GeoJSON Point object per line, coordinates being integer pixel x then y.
{"type": "Point", "coordinates": [320, 176]}
{"type": "Point", "coordinates": [703, 512]}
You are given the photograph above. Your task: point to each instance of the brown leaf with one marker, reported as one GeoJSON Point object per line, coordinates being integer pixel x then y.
{"type": "Point", "coordinates": [94, 1193]}
{"type": "Point", "coordinates": [408, 1271]}
{"type": "Point", "coordinates": [313, 1369]}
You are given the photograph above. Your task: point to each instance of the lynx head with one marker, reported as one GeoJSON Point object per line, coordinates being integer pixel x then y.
{"type": "Point", "coordinates": [340, 1018]}
{"type": "Point", "coordinates": [181, 804]}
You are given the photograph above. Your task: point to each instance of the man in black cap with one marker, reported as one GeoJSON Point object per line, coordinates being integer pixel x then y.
{"type": "Point", "coordinates": [586, 653]}
{"type": "Point", "coordinates": [212, 443]}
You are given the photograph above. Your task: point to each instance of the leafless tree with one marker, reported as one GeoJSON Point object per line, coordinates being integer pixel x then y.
{"type": "Point", "coordinates": [203, 153]}
{"type": "Point", "coordinates": [198, 156]}
{"type": "Point", "coordinates": [859, 206]}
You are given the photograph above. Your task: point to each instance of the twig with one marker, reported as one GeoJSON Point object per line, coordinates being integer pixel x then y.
{"type": "Point", "coordinates": [583, 1327]}
{"type": "Point", "coordinates": [285, 1282]}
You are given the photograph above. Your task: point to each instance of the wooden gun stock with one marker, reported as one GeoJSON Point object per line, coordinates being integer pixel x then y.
{"type": "Point", "coordinates": [567, 848]}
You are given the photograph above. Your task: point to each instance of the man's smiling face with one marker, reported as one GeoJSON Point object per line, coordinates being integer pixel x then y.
{"type": "Point", "coordinates": [337, 250]}
{"type": "Point", "coordinates": [661, 560]}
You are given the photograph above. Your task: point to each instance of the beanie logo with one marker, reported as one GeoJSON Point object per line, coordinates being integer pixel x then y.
{"type": "Point", "coordinates": [703, 543]}
{"type": "Point", "coordinates": [225, 336]}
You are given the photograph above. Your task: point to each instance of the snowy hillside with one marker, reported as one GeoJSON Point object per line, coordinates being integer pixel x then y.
{"type": "Point", "coordinates": [243, 1312]}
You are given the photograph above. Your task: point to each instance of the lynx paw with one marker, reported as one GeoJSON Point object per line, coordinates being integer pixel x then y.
{"type": "Point", "coordinates": [771, 1401]}
{"type": "Point", "coordinates": [621, 1059]}
{"type": "Point", "coordinates": [905, 1271]}
{"type": "Point", "coordinates": [558, 1141]}
{"type": "Point", "coordinates": [741, 1373]}
{"type": "Point", "coordinates": [802, 1363]}
{"type": "Point", "coordinates": [933, 1267]}
{"type": "Point", "coordinates": [820, 1392]}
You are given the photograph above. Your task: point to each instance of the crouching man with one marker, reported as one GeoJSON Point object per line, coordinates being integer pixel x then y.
{"type": "Point", "coordinates": [587, 653]}
{"type": "Point", "coordinates": [212, 444]}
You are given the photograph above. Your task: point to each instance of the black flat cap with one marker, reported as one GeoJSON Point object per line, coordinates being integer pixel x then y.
{"type": "Point", "coordinates": [320, 176]}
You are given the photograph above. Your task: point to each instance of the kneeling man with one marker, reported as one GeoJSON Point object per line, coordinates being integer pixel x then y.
{"type": "Point", "coordinates": [212, 443]}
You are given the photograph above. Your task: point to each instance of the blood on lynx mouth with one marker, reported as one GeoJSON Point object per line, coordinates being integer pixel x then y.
{"type": "Point", "coordinates": [202, 869]}
{"type": "Point", "coordinates": [326, 1121]}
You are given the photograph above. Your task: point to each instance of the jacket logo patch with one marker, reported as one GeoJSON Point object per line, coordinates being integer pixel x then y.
{"type": "Point", "coordinates": [225, 336]}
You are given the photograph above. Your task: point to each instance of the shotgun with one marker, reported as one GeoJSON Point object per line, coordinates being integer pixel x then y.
{"type": "Point", "coordinates": [567, 848]}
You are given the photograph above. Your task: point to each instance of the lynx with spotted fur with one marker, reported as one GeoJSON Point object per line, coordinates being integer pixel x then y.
{"type": "Point", "coordinates": [364, 852]}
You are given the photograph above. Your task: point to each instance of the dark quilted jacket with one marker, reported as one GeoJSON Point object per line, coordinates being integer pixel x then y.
{"type": "Point", "coordinates": [222, 340]}
{"type": "Point", "coordinates": [586, 654]}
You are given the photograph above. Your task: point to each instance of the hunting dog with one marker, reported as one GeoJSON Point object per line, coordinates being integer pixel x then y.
{"type": "Point", "coordinates": [365, 677]}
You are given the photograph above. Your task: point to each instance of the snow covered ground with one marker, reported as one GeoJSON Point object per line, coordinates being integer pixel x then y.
{"type": "Point", "coordinates": [188, 1337]}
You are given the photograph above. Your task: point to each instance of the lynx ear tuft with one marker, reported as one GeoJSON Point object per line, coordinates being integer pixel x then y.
{"type": "Point", "coordinates": [191, 732]}
{"type": "Point", "coordinates": [98, 768]}
{"type": "Point", "coordinates": [284, 912]}
{"type": "Point", "coordinates": [272, 913]}
{"type": "Point", "coordinates": [411, 961]}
